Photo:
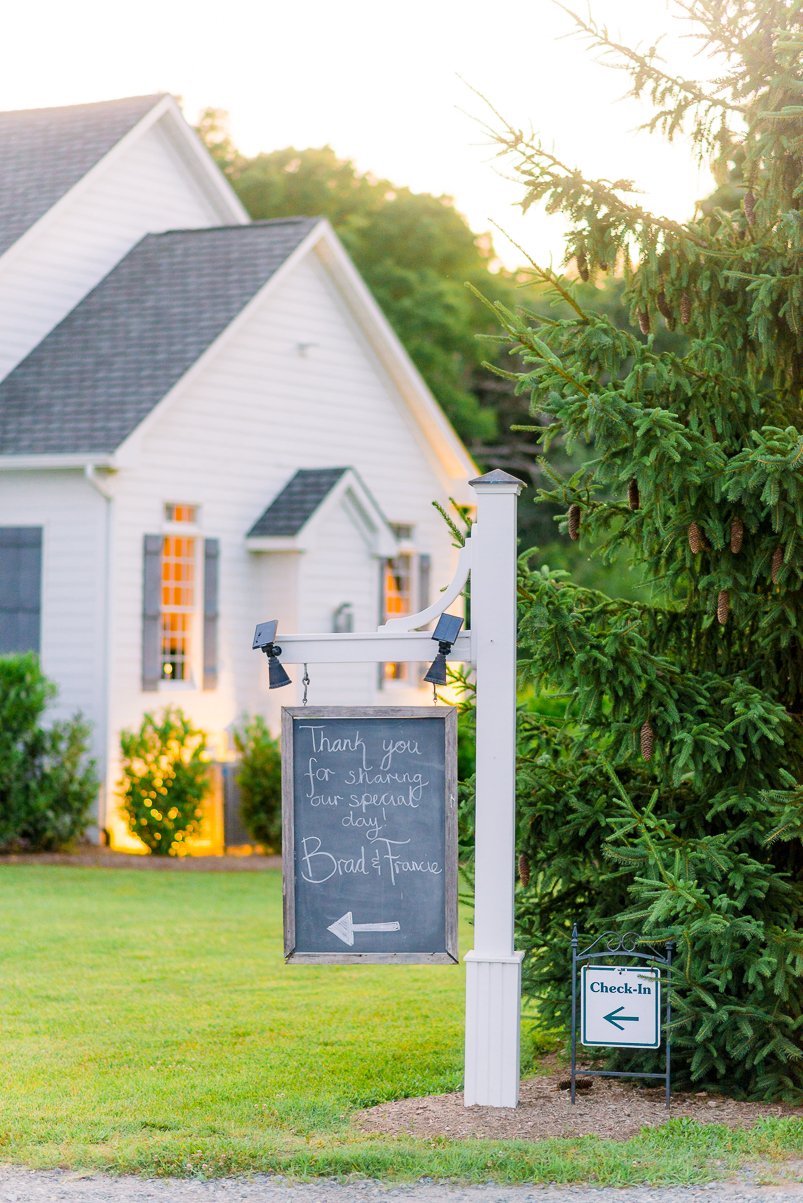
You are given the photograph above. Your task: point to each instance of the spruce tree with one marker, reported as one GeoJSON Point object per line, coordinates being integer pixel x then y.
{"type": "Point", "coordinates": [669, 799]}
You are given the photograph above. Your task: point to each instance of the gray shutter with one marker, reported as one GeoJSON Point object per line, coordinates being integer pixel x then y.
{"type": "Point", "coordinates": [151, 612]}
{"type": "Point", "coordinates": [20, 588]}
{"type": "Point", "coordinates": [424, 581]}
{"type": "Point", "coordinates": [211, 574]}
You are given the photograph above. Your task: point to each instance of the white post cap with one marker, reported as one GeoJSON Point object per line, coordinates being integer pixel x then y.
{"type": "Point", "coordinates": [499, 481]}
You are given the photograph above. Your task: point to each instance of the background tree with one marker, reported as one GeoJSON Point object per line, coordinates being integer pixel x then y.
{"type": "Point", "coordinates": [668, 798]}
{"type": "Point", "coordinates": [416, 253]}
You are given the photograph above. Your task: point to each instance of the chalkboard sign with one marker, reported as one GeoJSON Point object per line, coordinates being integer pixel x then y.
{"type": "Point", "coordinates": [370, 834]}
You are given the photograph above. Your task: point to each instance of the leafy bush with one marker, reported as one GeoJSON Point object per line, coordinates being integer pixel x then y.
{"type": "Point", "coordinates": [48, 784]}
{"type": "Point", "coordinates": [260, 782]}
{"type": "Point", "coordinates": [165, 780]}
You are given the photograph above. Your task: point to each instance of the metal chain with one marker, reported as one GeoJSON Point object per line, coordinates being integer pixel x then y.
{"type": "Point", "coordinates": [305, 683]}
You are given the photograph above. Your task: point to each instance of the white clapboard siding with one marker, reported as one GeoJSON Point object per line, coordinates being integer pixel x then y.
{"type": "Point", "coordinates": [73, 517]}
{"type": "Point", "coordinates": [142, 187]}
{"type": "Point", "coordinates": [276, 594]}
{"type": "Point", "coordinates": [339, 567]}
{"type": "Point", "coordinates": [228, 440]}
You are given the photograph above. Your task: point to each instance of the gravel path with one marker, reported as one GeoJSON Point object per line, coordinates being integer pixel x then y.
{"type": "Point", "coordinates": [57, 1186]}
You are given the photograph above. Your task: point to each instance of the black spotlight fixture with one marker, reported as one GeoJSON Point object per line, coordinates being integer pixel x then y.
{"type": "Point", "coordinates": [446, 631]}
{"type": "Point", "coordinates": [264, 637]}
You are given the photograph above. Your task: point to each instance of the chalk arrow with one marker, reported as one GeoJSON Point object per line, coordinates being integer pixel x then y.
{"type": "Point", "coordinates": [615, 1018]}
{"type": "Point", "coordinates": [345, 927]}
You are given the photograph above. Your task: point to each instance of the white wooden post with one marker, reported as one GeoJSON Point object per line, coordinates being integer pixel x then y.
{"type": "Point", "coordinates": [493, 968]}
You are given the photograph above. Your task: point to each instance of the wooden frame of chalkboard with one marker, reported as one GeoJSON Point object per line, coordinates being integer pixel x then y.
{"type": "Point", "coordinates": [388, 899]}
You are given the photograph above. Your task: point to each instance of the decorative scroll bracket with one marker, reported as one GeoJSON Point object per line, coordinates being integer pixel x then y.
{"type": "Point", "coordinates": [414, 622]}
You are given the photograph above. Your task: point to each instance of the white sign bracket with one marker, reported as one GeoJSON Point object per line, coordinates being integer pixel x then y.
{"type": "Point", "coordinates": [414, 622]}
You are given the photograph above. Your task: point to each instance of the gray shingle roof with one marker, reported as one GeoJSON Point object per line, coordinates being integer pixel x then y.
{"type": "Point", "coordinates": [297, 502]}
{"type": "Point", "coordinates": [90, 383]}
{"type": "Point", "coordinates": [44, 152]}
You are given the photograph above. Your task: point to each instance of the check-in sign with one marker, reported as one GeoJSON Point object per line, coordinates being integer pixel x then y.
{"type": "Point", "coordinates": [620, 1006]}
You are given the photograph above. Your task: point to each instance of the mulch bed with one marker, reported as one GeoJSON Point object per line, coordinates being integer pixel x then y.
{"type": "Point", "coordinates": [91, 856]}
{"type": "Point", "coordinates": [610, 1108]}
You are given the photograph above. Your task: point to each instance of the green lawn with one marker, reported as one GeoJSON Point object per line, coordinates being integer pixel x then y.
{"type": "Point", "coordinates": [149, 1024]}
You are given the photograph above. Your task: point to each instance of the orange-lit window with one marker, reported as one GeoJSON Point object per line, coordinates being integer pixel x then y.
{"type": "Point", "coordinates": [178, 596]}
{"type": "Point", "coordinates": [178, 512]}
{"type": "Point", "coordinates": [398, 600]}
{"type": "Point", "coordinates": [398, 585]}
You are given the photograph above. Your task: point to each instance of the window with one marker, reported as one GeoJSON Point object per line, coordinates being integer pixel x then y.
{"type": "Point", "coordinates": [398, 592]}
{"type": "Point", "coordinates": [175, 512]}
{"type": "Point", "coordinates": [398, 585]}
{"type": "Point", "coordinates": [178, 603]}
{"type": "Point", "coordinates": [180, 611]}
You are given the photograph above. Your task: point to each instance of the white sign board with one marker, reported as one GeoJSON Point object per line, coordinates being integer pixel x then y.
{"type": "Point", "coordinates": [620, 1006]}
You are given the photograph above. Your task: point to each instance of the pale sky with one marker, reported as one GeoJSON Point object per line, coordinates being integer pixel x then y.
{"type": "Point", "coordinates": [380, 82]}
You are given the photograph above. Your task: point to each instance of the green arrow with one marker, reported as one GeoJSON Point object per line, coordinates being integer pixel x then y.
{"type": "Point", "coordinates": [617, 1020]}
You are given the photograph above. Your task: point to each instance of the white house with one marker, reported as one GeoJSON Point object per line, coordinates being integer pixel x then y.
{"type": "Point", "coordinates": [204, 423]}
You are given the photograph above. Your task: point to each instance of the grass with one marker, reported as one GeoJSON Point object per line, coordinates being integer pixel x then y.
{"type": "Point", "coordinates": [150, 1025]}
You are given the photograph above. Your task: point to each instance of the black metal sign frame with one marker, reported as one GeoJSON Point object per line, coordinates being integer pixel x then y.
{"type": "Point", "coordinates": [628, 945]}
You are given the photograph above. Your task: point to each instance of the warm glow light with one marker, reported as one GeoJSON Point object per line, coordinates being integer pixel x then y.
{"type": "Point", "coordinates": [345, 88]}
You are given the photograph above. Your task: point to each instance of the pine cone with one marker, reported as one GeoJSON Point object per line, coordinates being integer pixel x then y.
{"type": "Point", "coordinates": [723, 607]}
{"type": "Point", "coordinates": [750, 207]}
{"type": "Point", "coordinates": [643, 321]}
{"type": "Point", "coordinates": [663, 305]}
{"type": "Point", "coordinates": [603, 266]}
{"type": "Point", "coordinates": [685, 308]}
{"type": "Point", "coordinates": [524, 870]}
{"type": "Point", "coordinates": [633, 497]}
{"type": "Point", "coordinates": [647, 740]}
{"type": "Point", "coordinates": [777, 563]}
{"type": "Point", "coordinates": [737, 535]}
{"type": "Point", "coordinates": [696, 541]}
{"type": "Point", "coordinates": [582, 266]}
{"type": "Point", "coordinates": [574, 522]}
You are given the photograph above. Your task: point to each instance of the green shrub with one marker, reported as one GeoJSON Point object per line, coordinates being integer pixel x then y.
{"type": "Point", "coordinates": [48, 784]}
{"type": "Point", "coordinates": [260, 782]}
{"type": "Point", "coordinates": [165, 780]}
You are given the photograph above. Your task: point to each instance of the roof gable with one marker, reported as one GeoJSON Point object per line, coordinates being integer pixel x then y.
{"type": "Point", "coordinates": [103, 369]}
{"type": "Point", "coordinates": [437, 437]}
{"type": "Point", "coordinates": [100, 377]}
{"type": "Point", "coordinates": [46, 152]}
